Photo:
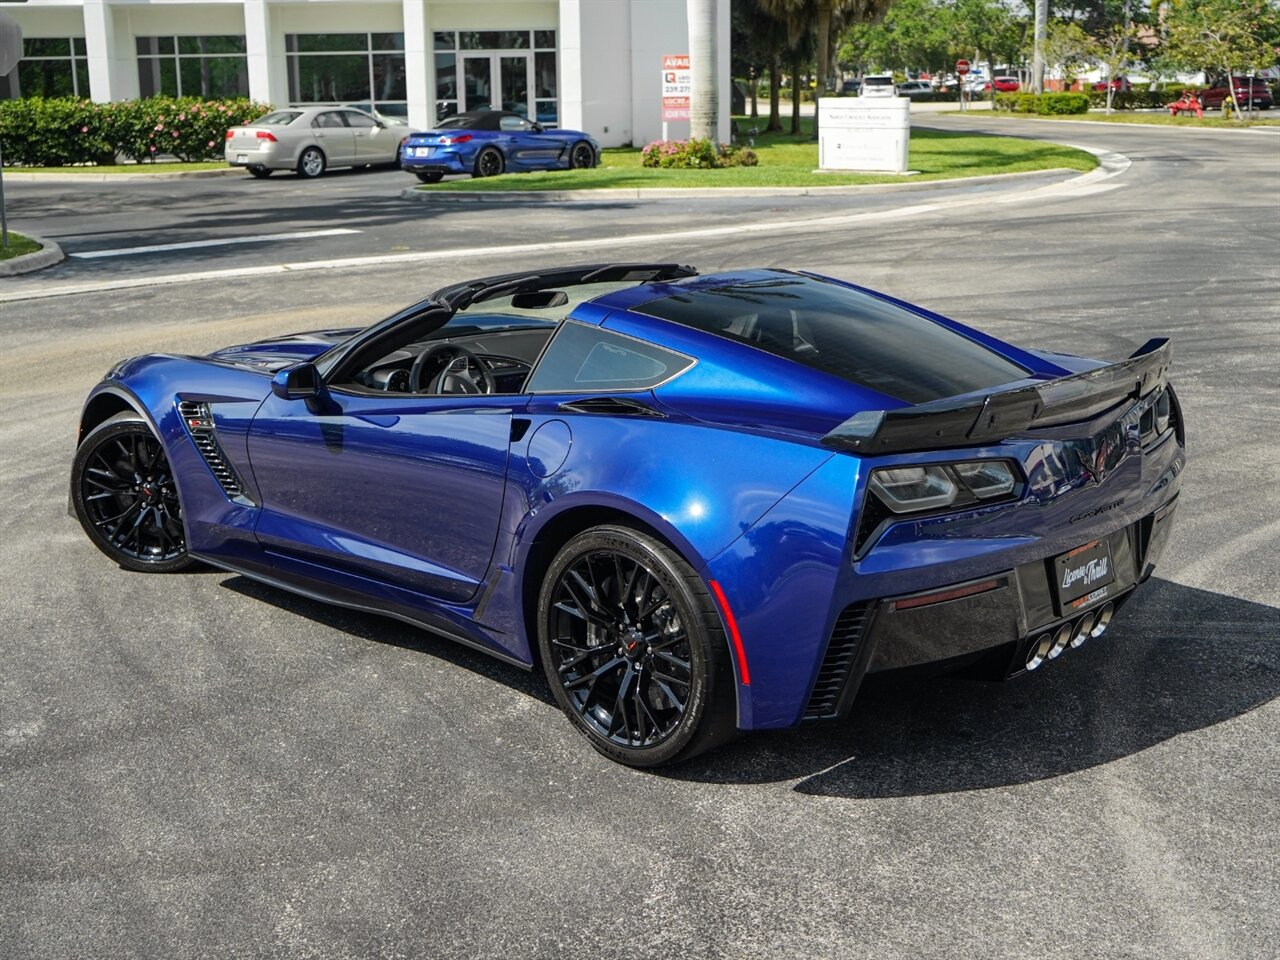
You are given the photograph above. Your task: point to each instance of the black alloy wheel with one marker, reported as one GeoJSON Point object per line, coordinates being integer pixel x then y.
{"type": "Point", "coordinates": [632, 646]}
{"type": "Point", "coordinates": [489, 163]}
{"type": "Point", "coordinates": [259, 171]}
{"type": "Point", "coordinates": [430, 177]}
{"type": "Point", "coordinates": [582, 156]}
{"type": "Point", "coordinates": [124, 495]}
{"type": "Point", "coordinates": [312, 163]}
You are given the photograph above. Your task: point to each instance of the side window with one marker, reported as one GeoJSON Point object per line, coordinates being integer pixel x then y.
{"type": "Point", "coordinates": [357, 119]}
{"type": "Point", "coordinates": [585, 358]}
{"type": "Point", "coordinates": [515, 123]}
{"type": "Point", "coordinates": [329, 119]}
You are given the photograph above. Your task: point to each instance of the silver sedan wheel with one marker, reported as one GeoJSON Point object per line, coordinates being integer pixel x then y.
{"type": "Point", "coordinates": [311, 163]}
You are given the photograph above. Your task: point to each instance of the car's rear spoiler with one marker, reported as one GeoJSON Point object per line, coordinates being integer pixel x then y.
{"type": "Point", "coordinates": [978, 420]}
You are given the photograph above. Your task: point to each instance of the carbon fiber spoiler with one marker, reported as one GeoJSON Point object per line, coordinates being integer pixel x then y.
{"type": "Point", "coordinates": [977, 420]}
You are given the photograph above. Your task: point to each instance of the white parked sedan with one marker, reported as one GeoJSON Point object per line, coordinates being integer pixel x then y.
{"type": "Point", "coordinates": [310, 140]}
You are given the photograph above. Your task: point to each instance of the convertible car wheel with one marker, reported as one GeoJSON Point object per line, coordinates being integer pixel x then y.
{"type": "Point", "coordinates": [633, 649]}
{"type": "Point", "coordinates": [489, 163]}
{"type": "Point", "coordinates": [311, 163]}
{"type": "Point", "coordinates": [123, 493]}
{"type": "Point", "coordinates": [582, 156]}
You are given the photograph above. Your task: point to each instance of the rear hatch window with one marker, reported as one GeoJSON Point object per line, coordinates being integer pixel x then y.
{"type": "Point", "coordinates": [846, 333]}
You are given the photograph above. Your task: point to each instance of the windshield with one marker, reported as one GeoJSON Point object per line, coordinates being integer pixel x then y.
{"type": "Point", "coordinates": [847, 333]}
{"type": "Point", "coordinates": [281, 118]}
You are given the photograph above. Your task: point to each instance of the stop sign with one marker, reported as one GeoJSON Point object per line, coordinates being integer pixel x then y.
{"type": "Point", "coordinates": [962, 67]}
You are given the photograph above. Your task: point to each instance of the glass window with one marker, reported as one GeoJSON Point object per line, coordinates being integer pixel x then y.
{"type": "Point", "coordinates": [544, 38]}
{"type": "Point", "coordinates": [389, 77]}
{"type": "Point", "coordinates": [46, 47]}
{"type": "Point", "coordinates": [332, 78]}
{"type": "Point", "coordinates": [544, 75]}
{"type": "Point", "coordinates": [514, 123]}
{"type": "Point", "coordinates": [445, 41]}
{"type": "Point", "coordinates": [386, 41]}
{"type": "Point", "coordinates": [207, 45]}
{"type": "Point", "coordinates": [585, 358]}
{"type": "Point", "coordinates": [328, 119]}
{"type": "Point", "coordinates": [446, 76]}
{"type": "Point", "coordinates": [446, 109]}
{"type": "Point", "coordinates": [214, 77]}
{"type": "Point", "coordinates": [210, 67]}
{"type": "Point", "coordinates": [280, 118]}
{"type": "Point", "coordinates": [47, 78]}
{"type": "Point", "coordinates": [325, 42]}
{"type": "Point", "coordinates": [846, 333]}
{"type": "Point", "coordinates": [546, 112]}
{"type": "Point", "coordinates": [79, 46]}
{"type": "Point", "coordinates": [157, 77]}
{"type": "Point", "coordinates": [361, 121]}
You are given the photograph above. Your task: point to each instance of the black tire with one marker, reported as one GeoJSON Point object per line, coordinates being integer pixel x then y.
{"type": "Point", "coordinates": [123, 494]}
{"type": "Point", "coordinates": [618, 613]}
{"type": "Point", "coordinates": [582, 156]}
{"type": "Point", "coordinates": [259, 171]}
{"type": "Point", "coordinates": [489, 163]}
{"type": "Point", "coordinates": [430, 177]}
{"type": "Point", "coordinates": [311, 163]}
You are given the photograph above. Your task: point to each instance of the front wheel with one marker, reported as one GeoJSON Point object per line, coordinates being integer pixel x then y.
{"type": "Point", "coordinates": [311, 163]}
{"type": "Point", "coordinates": [430, 177]}
{"type": "Point", "coordinates": [582, 156]}
{"type": "Point", "coordinates": [633, 648]}
{"type": "Point", "coordinates": [124, 495]}
{"type": "Point", "coordinates": [489, 163]}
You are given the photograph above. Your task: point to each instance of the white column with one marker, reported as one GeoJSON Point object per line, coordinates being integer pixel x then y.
{"type": "Point", "coordinates": [569, 61]}
{"type": "Point", "coordinates": [595, 85]}
{"type": "Point", "coordinates": [268, 81]}
{"type": "Point", "coordinates": [100, 45]}
{"type": "Point", "coordinates": [419, 65]}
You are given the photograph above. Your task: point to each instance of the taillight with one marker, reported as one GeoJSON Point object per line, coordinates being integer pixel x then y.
{"type": "Point", "coordinates": [265, 135]}
{"type": "Point", "coordinates": [462, 138]}
{"type": "Point", "coordinates": [230, 134]}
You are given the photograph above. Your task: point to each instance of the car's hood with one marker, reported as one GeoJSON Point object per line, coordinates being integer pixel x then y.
{"type": "Point", "coordinates": [276, 352]}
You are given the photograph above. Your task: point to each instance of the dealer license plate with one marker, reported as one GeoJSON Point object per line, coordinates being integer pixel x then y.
{"type": "Point", "coordinates": [242, 158]}
{"type": "Point", "coordinates": [1084, 575]}
{"type": "Point", "coordinates": [422, 152]}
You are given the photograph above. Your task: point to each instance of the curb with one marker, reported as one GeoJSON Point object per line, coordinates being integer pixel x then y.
{"type": "Point", "coordinates": [115, 177]}
{"type": "Point", "coordinates": [48, 254]}
{"type": "Point", "coordinates": [1265, 128]}
{"type": "Point", "coordinates": [426, 195]}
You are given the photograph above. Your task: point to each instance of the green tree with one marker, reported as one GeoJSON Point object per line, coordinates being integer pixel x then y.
{"type": "Point", "coordinates": [1231, 36]}
{"type": "Point", "coordinates": [1069, 48]}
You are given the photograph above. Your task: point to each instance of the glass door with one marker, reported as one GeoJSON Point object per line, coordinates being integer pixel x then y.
{"type": "Point", "coordinates": [513, 73]}
{"type": "Point", "coordinates": [515, 83]}
{"type": "Point", "coordinates": [477, 82]}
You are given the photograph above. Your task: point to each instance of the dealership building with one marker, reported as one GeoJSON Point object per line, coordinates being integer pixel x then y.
{"type": "Point", "coordinates": [592, 65]}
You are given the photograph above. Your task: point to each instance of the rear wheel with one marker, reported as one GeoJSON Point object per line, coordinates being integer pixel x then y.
{"type": "Point", "coordinates": [489, 163]}
{"type": "Point", "coordinates": [311, 163]}
{"type": "Point", "coordinates": [582, 156]}
{"type": "Point", "coordinates": [430, 177]}
{"type": "Point", "coordinates": [124, 495]}
{"type": "Point", "coordinates": [632, 646]}
{"type": "Point", "coordinates": [259, 171]}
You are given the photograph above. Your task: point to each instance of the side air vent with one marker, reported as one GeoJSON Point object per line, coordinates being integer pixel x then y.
{"type": "Point", "coordinates": [199, 423]}
{"type": "Point", "coordinates": [842, 651]}
{"type": "Point", "coordinates": [610, 407]}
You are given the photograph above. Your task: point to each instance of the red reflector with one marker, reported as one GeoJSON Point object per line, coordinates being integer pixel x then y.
{"type": "Point", "coordinates": [265, 135]}
{"type": "Point", "coordinates": [943, 595]}
{"type": "Point", "coordinates": [729, 621]}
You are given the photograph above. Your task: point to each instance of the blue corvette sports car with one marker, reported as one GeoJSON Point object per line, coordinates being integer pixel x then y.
{"type": "Point", "coordinates": [485, 143]}
{"type": "Point", "coordinates": [701, 504]}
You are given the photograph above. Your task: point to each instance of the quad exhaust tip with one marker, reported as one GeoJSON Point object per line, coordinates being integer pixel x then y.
{"type": "Point", "coordinates": [1047, 646]}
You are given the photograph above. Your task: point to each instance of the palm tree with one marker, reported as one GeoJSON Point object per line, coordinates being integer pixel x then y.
{"type": "Point", "coordinates": [704, 97]}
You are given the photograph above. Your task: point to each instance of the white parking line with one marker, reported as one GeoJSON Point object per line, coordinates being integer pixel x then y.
{"type": "Point", "coordinates": [227, 241]}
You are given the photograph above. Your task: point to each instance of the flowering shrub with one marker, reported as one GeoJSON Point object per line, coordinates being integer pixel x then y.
{"type": "Point", "coordinates": [695, 154]}
{"type": "Point", "coordinates": [54, 133]}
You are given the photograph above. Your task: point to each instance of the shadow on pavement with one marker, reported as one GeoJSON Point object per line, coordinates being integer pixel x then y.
{"type": "Point", "coordinates": [1177, 660]}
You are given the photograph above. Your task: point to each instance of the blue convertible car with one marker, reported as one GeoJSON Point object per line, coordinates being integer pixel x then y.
{"type": "Point", "coordinates": [701, 504]}
{"type": "Point", "coordinates": [485, 143]}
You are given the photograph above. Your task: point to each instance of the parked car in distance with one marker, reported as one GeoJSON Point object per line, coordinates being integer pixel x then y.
{"type": "Point", "coordinates": [1248, 91]}
{"type": "Point", "coordinates": [880, 85]}
{"type": "Point", "coordinates": [312, 140]}
{"type": "Point", "coordinates": [485, 143]}
{"type": "Point", "coordinates": [915, 88]}
{"type": "Point", "coordinates": [1119, 84]}
{"type": "Point", "coordinates": [1003, 85]}
{"type": "Point", "coordinates": [851, 87]}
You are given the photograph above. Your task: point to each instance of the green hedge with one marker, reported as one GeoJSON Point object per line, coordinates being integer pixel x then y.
{"type": "Point", "coordinates": [1044, 104]}
{"type": "Point", "coordinates": [53, 133]}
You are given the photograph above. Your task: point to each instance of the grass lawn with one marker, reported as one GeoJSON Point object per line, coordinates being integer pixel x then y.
{"type": "Point", "coordinates": [18, 245]}
{"type": "Point", "coordinates": [787, 161]}
{"type": "Point", "coordinates": [1157, 119]}
{"type": "Point", "coordinates": [129, 168]}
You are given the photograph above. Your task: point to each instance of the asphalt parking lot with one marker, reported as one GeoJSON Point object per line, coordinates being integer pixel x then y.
{"type": "Point", "coordinates": [200, 766]}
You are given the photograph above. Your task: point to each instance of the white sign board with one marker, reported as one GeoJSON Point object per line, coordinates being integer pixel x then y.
{"type": "Point", "coordinates": [864, 133]}
{"type": "Point", "coordinates": [676, 87]}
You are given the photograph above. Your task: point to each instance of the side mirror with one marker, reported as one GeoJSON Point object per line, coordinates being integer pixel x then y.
{"type": "Point", "coordinates": [298, 382]}
{"type": "Point", "coordinates": [537, 128]}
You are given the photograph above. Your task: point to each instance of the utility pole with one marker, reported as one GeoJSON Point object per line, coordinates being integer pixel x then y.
{"type": "Point", "coordinates": [1037, 62]}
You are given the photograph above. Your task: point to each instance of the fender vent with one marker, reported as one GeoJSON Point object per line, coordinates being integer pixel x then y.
{"type": "Point", "coordinates": [842, 651]}
{"type": "Point", "coordinates": [199, 423]}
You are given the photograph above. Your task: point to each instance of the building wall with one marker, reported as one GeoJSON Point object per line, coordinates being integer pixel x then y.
{"type": "Point", "coordinates": [609, 51]}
